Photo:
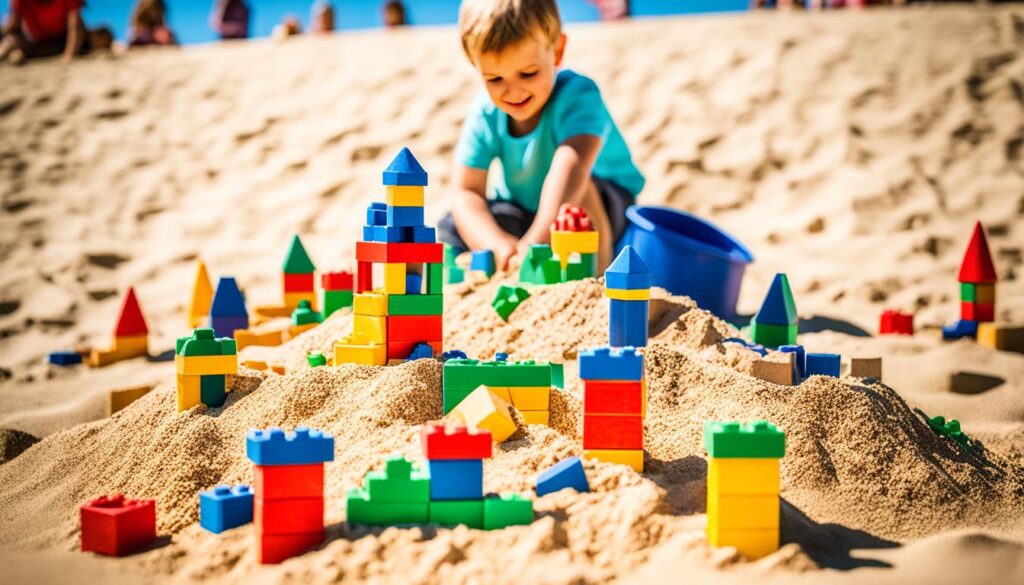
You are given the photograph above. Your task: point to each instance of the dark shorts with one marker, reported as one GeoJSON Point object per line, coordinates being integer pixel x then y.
{"type": "Point", "coordinates": [52, 47]}
{"type": "Point", "coordinates": [516, 221]}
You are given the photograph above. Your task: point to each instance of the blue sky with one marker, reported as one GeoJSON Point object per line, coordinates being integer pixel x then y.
{"type": "Point", "coordinates": [189, 18]}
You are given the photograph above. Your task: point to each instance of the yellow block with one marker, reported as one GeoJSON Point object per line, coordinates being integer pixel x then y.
{"type": "Point", "coordinates": [124, 348]}
{"type": "Point", "coordinates": [743, 476]}
{"type": "Point", "coordinates": [119, 398]}
{"type": "Point", "coordinates": [501, 392]}
{"type": "Point", "coordinates": [202, 296]}
{"type": "Point", "coordinates": [985, 294]}
{"type": "Point", "coordinates": [1001, 337]}
{"type": "Point", "coordinates": [206, 365]}
{"type": "Point", "coordinates": [751, 543]}
{"type": "Point", "coordinates": [370, 328]}
{"type": "Point", "coordinates": [565, 243]}
{"type": "Point", "coordinates": [734, 512]}
{"type": "Point", "coordinates": [246, 337]}
{"type": "Point", "coordinates": [530, 397]}
{"type": "Point", "coordinates": [189, 394]}
{"type": "Point", "coordinates": [374, 304]}
{"type": "Point", "coordinates": [291, 300]}
{"type": "Point", "coordinates": [404, 196]}
{"type": "Point", "coordinates": [621, 294]}
{"type": "Point", "coordinates": [631, 457]}
{"type": "Point", "coordinates": [535, 417]}
{"type": "Point", "coordinates": [351, 351]}
{"type": "Point", "coordinates": [394, 278]}
{"type": "Point", "coordinates": [485, 410]}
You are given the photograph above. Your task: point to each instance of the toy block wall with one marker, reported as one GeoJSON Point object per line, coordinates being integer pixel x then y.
{"type": "Point", "coordinates": [526, 385]}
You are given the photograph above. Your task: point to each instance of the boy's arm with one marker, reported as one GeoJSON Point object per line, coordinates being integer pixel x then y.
{"type": "Point", "coordinates": [76, 34]}
{"type": "Point", "coordinates": [566, 182]}
{"type": "Point", "coordinates": [473, 218]}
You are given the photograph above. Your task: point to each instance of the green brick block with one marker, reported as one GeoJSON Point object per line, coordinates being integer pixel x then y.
{"type": "Point", "coordinates": [968, 292]}
{"type": "Point", "coordinates": [773, 335]}
{"type": "Point", "coordinates": [540, 267]}
{"type": "Point", "coordinates": [508, 299]}
{"type": "Point", "coordinates": [558, 376]}
{"type": "Point", "coordinates": [305, 315]}
{"type": "Point", "coordinates": [758, 440]}
{"type": "Point", "coordinates": [429, 304]}
{"type": "Point", "coordinates": [316, 359]}
{"type": "Point", "coordinates": [579, 269]}
{"type": "Point", "coordinates": [451, 398]}
{"type": "Point", "coordinates": [203, 342]}
{"type": "Point", "coordinates": [454, 274]}
{"type": "Point", "coordinates": [399, 482]}
{"type": "Point", "coordinates": [455, 512]}
{"type": "Point", "coordinates": [212, 391]}
{"type": "Point", "coordinates": [507, 510]}
{"type": "Point", "coordinates": [334, 300]}
{"type": "Point", "coordinates": [460, 374]}
{"type": "Point", "coordinates": [435, 279]}
{"type": "Point", "coordinates": [360, 510]}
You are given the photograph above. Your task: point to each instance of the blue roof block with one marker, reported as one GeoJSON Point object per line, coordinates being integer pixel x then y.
{"type": "Point", "coordinates": [405, 170]}
{"type": "Point", "coordinates": [302, 447]}
{"type": "Point", "coordinates": [778, 307]}
{"type": "Point", "coordinates": [622, 364]}
{"type": "Point", "coordinates": [224, 508]}
{"type": "Point", "coordinates": [227, 299]}
{"type": "Point", "coordinates": [628, 271]}
{"type": "Point", "coordinates": [567, 473]}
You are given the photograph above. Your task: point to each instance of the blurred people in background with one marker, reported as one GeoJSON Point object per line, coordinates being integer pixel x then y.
{"type": "Point", "coordinates": [612, 9]}
{"type": "Point", "coordinates": [43, 28]}
{"type": "Point", "coordinates": [149, 25]}
{"type": "Point", "coordinates": [101, 38]}
{"type": "Point", "coordinates": [394, 13]}
{"type": "Point", "coordinates": [321, 17]}
{"type": "Point", "coordinates": [288, 27]}
{"type": "Point", "coordinates": [230, 19]}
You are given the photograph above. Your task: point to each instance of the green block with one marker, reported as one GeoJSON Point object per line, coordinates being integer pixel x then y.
{"type": "Point", "coordinates": [399, 482]}
{"type": "Point", "coordinates": [316, 359]}
{"type": "Point", "coordinates": [579, 269]}
{"type": "Point", "coordinates": [203, 342]}
{"type": "Point", "coordinates": [773, 335]}
{"type": "Point", "coordinates": [297, 260]}
{"type": "Point", "coordinates": [449, 255]}
{"type": "Point", "coordinates": [507, 510]}
{"type": "Point", "coordinates": [451, 398]}
{"type": "Point", "coordinates": [430, 304]}
{"type": "Point", "coordinates": [455, 512]}
{"type": "Point", "coordinates": [360, 510]}
{"type": "Point", "coordinates": [304, 314]}
{"type": "Point", "coordinates": [454, 275]}
{"type": "Point", "coordinates": [968, 292]}
{"type": "Point", "coordinates": [212, 391]}
{"type": "Point", "coordinates": [460, 374]}
{"type": "Point", "coordinates": [508, 299]}
{"type": "Point", "coordinates": [558, 376]}
{"type": "Point", "coordinates": [759, 439]}
{"type": "Point", "coordinates": [539, 267]}
{"type": "Point", "coordinates": [334, 300]}
{"type": "Point", "coordinates": [435, 279]}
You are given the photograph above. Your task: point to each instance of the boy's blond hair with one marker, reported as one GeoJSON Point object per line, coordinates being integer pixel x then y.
{"type": "Point", "coordinates": [489, 26]}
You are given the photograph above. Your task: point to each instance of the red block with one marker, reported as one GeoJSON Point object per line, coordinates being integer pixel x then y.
{"type": "Point", "coordinates": [364, 276]}
{"type": "Point", "coordinates": [600, 397]}
{"type": "Point", "coordinates": [572, 219]}
{"type": "Point", "coordinates": [341, 280]}
{"type": "Point", "coordinates": [276, 548]}
{"type": "Point", "coordinates": [977, 266]}
{"type": "Point", "coordinates": [425, 253]}
{"type": "Point", "coordinates": [982, 313]}
{"type": "Point", "coordinates": [297, 515]}
{"type": "Point", "coordinates": [114, 525]}
{"type": "Point", "coordinates": [415, 327]}
{"type": "Point", "coordinates": [400, 350]}
{"type": "Point", "coordinates": [457, 442]}
{"type": "Point", "coordinates": [893, 321]}
{"type": "Point", "coordinates": [613, 432]}
{"type": "Point", "coordinates": [130, 321]}
{"type": "Point", "coordinates": [298, 282]}
{"type": "Point", "coordinates": [274, 482]}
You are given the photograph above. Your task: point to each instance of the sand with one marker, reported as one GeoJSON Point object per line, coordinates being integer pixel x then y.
{"type": "Point", "coordinates": [870, 142]}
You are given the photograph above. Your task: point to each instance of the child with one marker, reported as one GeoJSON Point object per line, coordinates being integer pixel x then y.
{"type": "Point", "coordinates": [549, 129]}
{"type": "Point", "coordinates": [43, 28]}
{"type": "Point", "coordinates": [149, 25]}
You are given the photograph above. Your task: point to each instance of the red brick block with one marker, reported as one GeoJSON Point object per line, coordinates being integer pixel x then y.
{"type": "Point", "coordinates": [298, 282]}
{"type": "Point", "coordinates": [424, 253]}
{"type": "Point", "coordinates": [613, 432]}
{"type": "Point", "coordinates": [400, 350]}
{"type": "Point", "coordinates": [364, 276]}
{"type": "Point", "coordinates": [572, 219]}
{"type": "Point", "coordinates": [980, 312]}
{"type": "Point", "coordinates": [275, 482]}
{"type": "Point", "coordinates": [115, 525]}
{"type": "Point", "coordinates": [454, 443]}
{"type": "Point", "coordinates": [292, 516]}
{"type": "Point", "coordinates": [896, 322]}
{"type": "Point", "coordinates": [601, 397]}
{"type": "Point", "coordinates": [415, 327]}
{"type": "Point", "coordinates": [276, 548]}
{"type": "Point", "coordinates": [341, 280]}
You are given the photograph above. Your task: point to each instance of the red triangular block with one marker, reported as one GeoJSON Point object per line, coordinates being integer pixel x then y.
{"type": "Point", "coordinates": [130, 322]}
{"type": "Point", "coordinates": [977, 266]}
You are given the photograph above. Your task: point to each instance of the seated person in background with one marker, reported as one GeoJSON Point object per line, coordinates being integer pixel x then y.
{"type": "Point", "coordinates": [230, 19]}
{"type": "Point", "coordinates": [43, 28]}
{"type": "Point", "coordinates": [101, 38]}
{"type": "Point", "coordinates": [322, 17]}
{"type": "Point", "coordinates": [394, 13]}
{"type": "Point", "coordinates": [149, 25]}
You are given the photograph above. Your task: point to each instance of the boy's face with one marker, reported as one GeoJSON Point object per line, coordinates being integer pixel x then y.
{"type": "Point", "coordinates": [520, 78]}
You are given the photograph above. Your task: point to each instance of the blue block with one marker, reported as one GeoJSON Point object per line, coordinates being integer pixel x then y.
{"type": "Point", "coordinates": [482, 260]}
{"type": "Point", "coordinates": [801, 359]}
{"type": "Point", "coordinates": [275, 447]}
{"type": "Point", "coordinates": [778, 307]}
{"type": "Point", "coordinates": [227, 299]}
{"type": "Point", "coordinates": [959, 329]}
{"type": "Point", "coordinates": [622, 363]}
{"type": "Point", "coordinates": [404, 216]}
{"type": "Point", "coordinates": [501, 356]}
{"type": "Point", "coordinates": [822, 364]}
{"type": "Point", "coordinates": [628, 271]}
{"type": "Point", "coordinates": [627, 323]}
{"type": "Point", "coordinates": [368, 233]}
{"type": "Point", "coordinates": [422, 234]}
{"type": "Point", "coordinates": [405, 170]}
{"type": "Point", "coordinates": [413, 283]}
{"type": "Point", "coordinates": [421, 351]}
{"type": "Point", "coordinates": [225, 326]}
{"type": "Point", "coordinates": [64, 358]}
{"type": "Point", "coordinates": [567, 473]}
{"type": "Point", "coordinates": [454, 354]}
{"type": "Point", "coordinates": [223, 508]}
{"type": "Point", "coordinates": [377, 214]}
{"type": "Point", "coordinates": [456, 479]}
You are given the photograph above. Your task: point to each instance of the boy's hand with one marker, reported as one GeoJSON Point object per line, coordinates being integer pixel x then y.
{"type": "Point", "coordinates": [504, 251]}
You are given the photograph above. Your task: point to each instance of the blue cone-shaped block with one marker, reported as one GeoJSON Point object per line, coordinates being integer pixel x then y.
{"type": "Point", "coordinates": [405, 170]}
{"type": "Point", "coordinates": [567, 473]}
{"type": "Point", "coordinates": [778, 307]}
{"type": "Point", "coordinates": [227, 311]}
{"type": "Point", "coordinates": [628, 271]}
{"type": "Point", "coordinates": [627, 323]}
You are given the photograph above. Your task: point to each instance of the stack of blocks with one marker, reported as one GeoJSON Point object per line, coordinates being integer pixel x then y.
{"type": "Point", "coordinates": [227, 311]}
{"type": "Point", "coordinates": [743, 485]}
{"type": "Point", "coordinates": [977, 288]}
{"type": "Point", "coordinates": [628, 286]}
{"type": "Point", "coordinates": [572, 234]}
{"type": "Point", "coordinates": [131, 335]}
{"type": "Point", "coordinates": [114, 525]}
{"type": "Point", "coordinates": [526, 385]}
{"type": "Point", "coordinates": [614, 405]}
{"type": "Point", "coordinates": [288, 478]}
{"type": "Point", "coordinates": [224, 508]}
{"type": "Point", "coordinates": [390, 321]}
{"type": "Point", "coordinates": [337, 291]}
{"type": "Point", "coordinates": [203, 363]}
{"type": "Point", "coordinates": [777, 322]}
{"type": "Point", "coordinates": [299, 279]}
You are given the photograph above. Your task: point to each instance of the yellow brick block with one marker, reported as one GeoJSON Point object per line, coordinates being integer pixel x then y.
{"type": "Point", "coordinates": [631, 457]}
{"type": "Point", "coordinates": [985, 294]}
{"type": "Point", "coordinates": [246, 337]}
{"type": "Point", "coordinates": [751, 543]}
{"type": "Point", "coordinates": [370, 328]}
{"type": "Point", "coordinates": [485, 410]}
{"type": "Point", "coordinates": [188, 392]}
{"type": "Point", "coordinates": [743, 476]}
{"type": "Point", "coordinates": [404, 196]}
{"type": "Point", "coordinates": [502, 392]}
{"type": "Point", "coordinates": [291, 300]}
{"type": "Point", "coordinates": [566, 243]}
{"type": "Point", "coordinates": [535, 417]}
{"type": "Point", "coordinates": [370, 303]}
{"type": "Point", "coordinates": [394, 278]}
{"type": "Point", "coordinates": [735, 512]}
{"type": "Point", "coordinates": [119, 399]}
{"type": "Point", "coordinates": [206, 365]}
{"type": "Point", "coordinates": [124, 348]}
{"type": "Point", "coordinates": [354, 351]}
{"type": "Point", "coordinates": [621, 294]}
{"type": "Point", "coordinates": [530, 397]}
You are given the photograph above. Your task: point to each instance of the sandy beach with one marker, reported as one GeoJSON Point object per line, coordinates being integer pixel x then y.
{"type": "Point", "coordinates": [852, 151]}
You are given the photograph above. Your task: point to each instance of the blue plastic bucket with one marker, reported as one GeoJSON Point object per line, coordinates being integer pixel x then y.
{"type": "Point", "coordinates": [688, 256]}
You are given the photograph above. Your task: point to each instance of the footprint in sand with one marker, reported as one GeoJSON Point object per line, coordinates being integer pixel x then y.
{"type": "Point", "coordinates": [107, 260]}
{"type": "Point", "coordinates": [9, 106]}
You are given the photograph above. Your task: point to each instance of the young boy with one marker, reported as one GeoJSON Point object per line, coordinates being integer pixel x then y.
{"type": "Point", "coordinates": [549, 129]}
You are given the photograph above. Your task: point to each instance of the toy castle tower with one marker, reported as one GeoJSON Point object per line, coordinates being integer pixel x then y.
{"type": "Point", "coordinates": [777, 322]}
{"type": "Point", "coordinates": [131, 335]}
{"type": "Point", "coordinates": [977, 288]}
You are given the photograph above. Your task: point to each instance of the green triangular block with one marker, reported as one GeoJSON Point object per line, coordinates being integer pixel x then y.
{"type": "Point", "coordinates": [297, 261]}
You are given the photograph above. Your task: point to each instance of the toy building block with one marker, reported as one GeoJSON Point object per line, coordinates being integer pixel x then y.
{"type": "Point", "coordinates": [289, 516]}
{"type": "Point", "coordinates": [977, 312]}
{"type": "Point", "coordinates": [540, 266]}
{"type": "Point", "coordinates": [202, 296]}
{"type": "Point", "coordinates": [612, 397]}
{"type": "Point", "coordinates": [130, 335]}
{"type": "Point", "coordinates": [415, 328]}
{"type": "Point", "coordinates": [799, 358]}
{"type": "Point", "coordinates": [305, 315]}
{"type": "Point", "coordinates": [580, 266]}
{"type": "Point", "coordinates": [337, 281]}
{"type": "Point", "coordinates": [247, 337]}
{"type": "Point", "coordinates": [611, 431]}
{"type": "Point", "coordinates": [114, 525]}
{"type": "Point", "coordinates": [456, 479]}
{"type": "Point", "coordinates": [282, 482]}
{"type": "Point", "coordinates": [1001, 337]}
{"type": "Point", "coordinates": [484, 410]}
{"type": "Point", "coordinates": [370, 328]}
{"type": "Point", "coordinates": [224, 508]}
{"type": "Point", "coordinates": [227, 311]}
{"type": "Point", "coordinates": [435, 278]}
{"type": "Point", "coordinates": [130, 322]}
{"type": "Point", "coordinates": [822, 364]}
{"type": "Point", "coordinates": [565, 244]}
{"type": "Point", "coordinates": [778, 307]}
{"type": "Point", "coordinates": [401, 351]}
{"type": "Point", "coordinates": [398, 482]}
{"type": "Point", "coordinates": [640, 294]}
{"type": "Point", "coordinates": [428, 304]}
{"type": "Point", "coordinates": [508, 299]}
{"type": "Point", "coordinates": [302, 446]}
{"type": "Point", "coordinates": [413, 284]}
{"type": "Point", "coordinates": [627, 323]}
{"type": "Point", "coordinates": [571, 219]}
{"type": "Point", "coordinates": [455, 512]}
{"type": "Point", "coordinates": [483, 261]}
{"type": "Point", "coordinates": [896, 322]}
{"type": "Point", "coordinates": [404, 196]}
{"type": "Point", "coordinates": [202, 362]}
{"type": "Point", "coordinates": [405, 216]}
{"type": "Point", "coordinates": [977, 266]}
{"type": "Point", "coordinates": [773, 335]}
{"type": "Point", "coordinates": [64, 358]}
{"type": "Point", "coordinates": [756, 440]}
{"type": "Point", "coordinates": [779, 370]}
{"type": "Point", "coordinates": [567, 473]}
{"type": "Point", "coordinates": [404, 171]}
{"type": "Point", "coordinates": [457, 442]}
{"type": "Point", "coordinates": [334, 300]}
{"type": "Point", "coordinates": [120, 398]}
{"type": "Point", "coordinates": [630, 457]}
{"type": "Point", "coordinates": [453, 273]}
{"type": "Point", "coordinates": [394, 279]}
{"type": "Point", "coordinates": [866, 368]}
{"type": "Point", "coordinates": [983, 293]}
{"type": "Point", "coordinates": [374, 304]}
{"type": "Point", "coordinates": [743, 476]}
{"type": "Point", "coordinates": [297, 260]}
{"type": "Point", "coordinates": [960, 329]}
{"type": "Point", "coordinates": [467, 374]}
{"type": "Point", "coordinates": [354, 350]}
{"type": "Point", "coordinates": [507, 510]}
{"type": "Point", "coordinates": [359, 509]}
{"type": "Point", "coordinates": [530, 398]}
{"type": "Point", "coordinates": [536, 417]}
{"type": "Point", "coordinates": [315, 359]}
{"type": "Point", "coordinates": [621, 364]}
{"type": "Point", "coordinates": [628, 272]}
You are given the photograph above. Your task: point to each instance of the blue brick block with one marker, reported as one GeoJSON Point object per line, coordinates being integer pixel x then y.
{"type": "Point", "coordinates": [567, 473]}
{"type": "Point", "coordinates": [225, 326]}
{"type": "Point", "coordinates": [627, 323]}
{"type": "Point", "coordinates": [422, 234]}
{"type": "Point", "coordinates": [959, 329]}
{"type": "Point", "coordinates": [628, 271]}
{"type": "Point", "coordinates": [368, 233]}
{"type": "Point", "coordinates": [64, 358]}
{"type": "Point", "coordinates": [501, 356]}
{"type": "Point", "coordinates": [377, 214]}
{"type": "Point", "coordinates": [413, 283]}
{"type": "Point", "coordinates": [405, 170]}
{"type": "Point", "coordinates": [454, 354]}
{"type": "Point", "coordinates": [224, 508]}
{"type": "Point", "coordinates": [778, 307]}
{"type": "Point", "coordinates": [822, 364]}
{"type": "Point", "coordinates": [604, 363]}
{"type": "Point", "coordinates": [456, 479]}
{"type": "Point", "coordinates": [404, 216]}
{"type": "Point", "coordinates": [301, 447]}
{"type": "Point", "coordinates": [801, 359]}
{"type": "Point", "coordinates": [421, 351]}
{"type": "Point", "coordinates": [482, 260]}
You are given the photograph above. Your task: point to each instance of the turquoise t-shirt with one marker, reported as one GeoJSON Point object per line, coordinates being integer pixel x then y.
{"type": "Point", "coordinates": [575, 108]}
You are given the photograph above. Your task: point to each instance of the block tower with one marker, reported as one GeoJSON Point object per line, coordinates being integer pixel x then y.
{"type": "Point", "coordinates": [743, 485]}
{"type": "Point", "coordinates": [777, 322]}
{"type": "Point", "coordinates": [227, 311]}
{"type": "Point", "coordinates": [614, 405]}
{"type": "Point", "coordinates": [336, 289]}
{"type": "Point", "coordinates": [977, 288]}
{"type": "Point", "coordinates": [391, 320]}
{"type": "Point", "coordinates": [202, 295]}
{"type": "Point", "coordinates": [628, 286]}
{"type": "Point", "coordinates": [288, 483]}
{"type": "Point", "coordinates": [572, 233]}
{"type": "Point", "coordinates": [298, 280]}
{"type": "Point", "coordinates": [203, 364]}
{"type": "Point", "coordinates": [131, 335]}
